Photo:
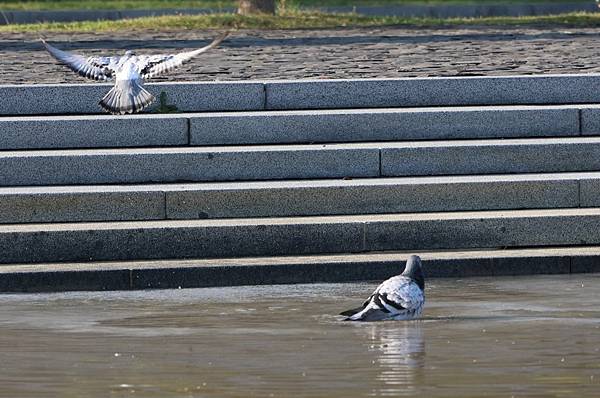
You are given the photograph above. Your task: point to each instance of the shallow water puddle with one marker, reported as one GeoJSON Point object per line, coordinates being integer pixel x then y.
{"type": "Point", "coordinates": [496, 337]}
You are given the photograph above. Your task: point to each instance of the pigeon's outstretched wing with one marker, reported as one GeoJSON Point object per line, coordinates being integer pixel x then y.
{"type": "Point", "coordinates": [96, 68]}
{"type": "Point", "coordinates": [157, 64]}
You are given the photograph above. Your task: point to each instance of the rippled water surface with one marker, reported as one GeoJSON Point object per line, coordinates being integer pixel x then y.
{"type": "Point", "coordinates": [496, 337]}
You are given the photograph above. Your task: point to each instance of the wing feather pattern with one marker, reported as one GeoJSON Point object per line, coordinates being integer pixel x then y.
{"type": "Point", "coordinates": [394, 298]}
{"type": "Point", "coordinates": [159, 64]}
{"type": "Point", "coordinates": [96, 68]}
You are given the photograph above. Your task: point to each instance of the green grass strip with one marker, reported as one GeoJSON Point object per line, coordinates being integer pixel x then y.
{"type": "Point", "coordinates": [216, 4]}
{"type": "Point", "coordinates": [295, 20]}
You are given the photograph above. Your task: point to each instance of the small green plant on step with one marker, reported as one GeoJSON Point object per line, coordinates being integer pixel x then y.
{"type": "Point", "coordinates": [164, 107]}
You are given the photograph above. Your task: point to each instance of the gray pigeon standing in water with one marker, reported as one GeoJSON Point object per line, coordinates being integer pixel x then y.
{"type": "Point", "coordinates": [129, 71]}
{"type": "Point", "coordinates": [401, 297]}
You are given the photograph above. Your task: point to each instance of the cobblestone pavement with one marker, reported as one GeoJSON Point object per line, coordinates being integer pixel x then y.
{"type": "Point", "coordinates": [324, 54]}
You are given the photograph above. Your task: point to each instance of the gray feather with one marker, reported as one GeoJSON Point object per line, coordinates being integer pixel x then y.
{"type": "Point", "coordinates": [401, 297]}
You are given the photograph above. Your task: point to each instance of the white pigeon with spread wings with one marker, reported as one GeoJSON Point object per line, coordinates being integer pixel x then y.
{"type": "Point", "coordinates": [401, 297]}
{"type": "Point", "coordinates": [129, 71]}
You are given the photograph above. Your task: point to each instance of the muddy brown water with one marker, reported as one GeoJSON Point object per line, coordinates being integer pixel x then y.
{"type": "Point", "coordinates": [493, 337]}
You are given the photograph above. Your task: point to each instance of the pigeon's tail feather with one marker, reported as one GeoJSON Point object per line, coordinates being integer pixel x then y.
{"type": "Point", "coordinates": [369, 315]}
{"type": "Point", "coordinates": [352, 311]}
{"type": "Point", "coordinates": [126, 97]}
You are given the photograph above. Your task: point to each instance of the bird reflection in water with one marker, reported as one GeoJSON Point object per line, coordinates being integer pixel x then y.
{"type": "Point", "coordinates": [400, 354]}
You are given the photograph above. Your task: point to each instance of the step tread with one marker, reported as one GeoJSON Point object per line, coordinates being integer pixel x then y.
{"type": "Point", "coordinates": [244, 237]}
{"type": "Point", "coordinates": [307, 112]}
{"type": "Point", "coordinates": [301, 147]}
{"type": "Point", "coordinates": [308, 220]}
{"type": "Point", "coordinates": [297, 126]}
{"type": "Point", "coordinates": [183, 150]}
{"type": "Point", "coordinates": [297, 197]}
{"type": "Point", "coordinates": [308, 183]}
{"type": "Point", "coordinates": [317, 93]}
{"type": "Point", "coordinates": [309, 259]}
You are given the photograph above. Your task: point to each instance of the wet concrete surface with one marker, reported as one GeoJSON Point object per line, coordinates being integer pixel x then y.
{"type": "Point", "coordinates": [322, 53]}
{"type": "Point", "coordinates": [495, 337]}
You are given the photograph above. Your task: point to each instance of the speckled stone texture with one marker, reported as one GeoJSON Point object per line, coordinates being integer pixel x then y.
{"type": "Point", "coordinates": [383, 125]}
{"type": "Point", "coordinates": [151, 165]}
{"type": "Point", "coordinates": [173, 274]}
{"type": "Point", "coordinates": [76, 204]}
{"type": "Point", "coordinates": [534, 155]}
{"type": "Point", "coordinates": [394, 159]}
{"type": "Point", "coordinates": [46, 132]}
{"type": "Point", "coordinates": [505, 90]}
{"type": "Point", "coordinates": [484, 230]}
{"type": "Point", "coordinates": [590, 121]}
{"type": "Point", "coordinates": [296, 198]}
{"type": "Point", "coordinates": [306, 198]}
{"type": "Point", "coordinates": [297, 236]}
{"type": "Point", "coordinates": [175, 239]}
{"type": "Point", "coordinates": [83, 98]}
{"type": "Point", "coordinates": [330, 94]}
{"type": "Point", "coordinates": [219, 203]}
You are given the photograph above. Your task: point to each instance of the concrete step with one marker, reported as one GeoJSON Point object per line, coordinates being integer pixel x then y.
{"type": "Point", "coordinates": [433, 91]}
{"type": "Point", "coordinates": [73, 99]}
{"type": "Point", "coordinates": [297, 198]}
{"type": "Point", "coordinates": [280, 127]}
{"type": "Point", "coordinates": [525, 155]}
{"type": "Point", "coordinates": [97, 131]}
{"type": "Point", "coordinates": [400, 124]}
{"type": "Point", "coordinates": [165, 274]}
{"type": "Point", "coordinates": [316, 94]}
{"type": "Point", "coordinates": [148, 165]}
{"type": "Point", "coordinates": [277, 162]}
{"type": "Point", "coordinates": [105, 241]}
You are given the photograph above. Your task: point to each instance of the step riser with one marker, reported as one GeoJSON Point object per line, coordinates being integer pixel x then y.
{"type": "Point", "coordinates": [478, 233]}
{"type": "Point", "coordinates": [302, 162]}
{"type": "Point", "coordinates": [372, 200]}
{"type": "Point", "coordinates": [335, 235]}
{"type": "Point", "coordinates": [565, 156]}
{"type": "Point", "coordinates": [367, 93]}
{"type": "Point", "coordinates": [92, 132]}
{"type": "Point", "coordinates": [53, 132]}
{"type": "Point", "coordinates": [316, 94]}
{"type": "Point", "coordinates": [156, 203]}
{"type": "Point", "coordinates": [284, 270]}
{"type": "Point", "coordinates": [104, 168]}
{"type": "Point", "coordinates": [77, 207]}
{"type": "Point", "coordinates": [62, 99]}
{"type": "Point", "coordinates": [217, 276]}
{"type": "Point", "coordinates": [386, 126]}
{"type": "Point", "coordinates": [192, 242]}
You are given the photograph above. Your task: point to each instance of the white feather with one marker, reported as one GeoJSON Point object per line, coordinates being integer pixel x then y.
{"type": "Point", "coordinates": [400, 291]}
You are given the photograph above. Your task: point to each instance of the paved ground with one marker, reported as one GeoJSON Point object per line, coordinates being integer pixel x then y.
{"type": "Point", "coordinates": [320, 54]}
